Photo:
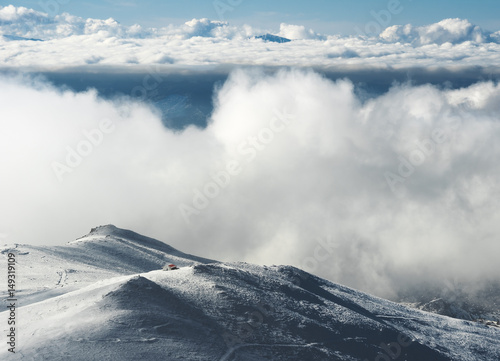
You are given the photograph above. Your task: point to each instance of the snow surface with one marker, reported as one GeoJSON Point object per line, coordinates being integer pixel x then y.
{"type": "Point", "coordinates": [105, 297]}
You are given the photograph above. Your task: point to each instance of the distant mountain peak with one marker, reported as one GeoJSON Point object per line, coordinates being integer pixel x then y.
{"type": "Point", "coordinates": [18, 38]}
{"type": "Point", "coordinates": [273, 38]}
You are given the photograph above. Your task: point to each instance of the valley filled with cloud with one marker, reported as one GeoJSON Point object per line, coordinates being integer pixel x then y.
{"type": "Point", "coordinates": [381, 191]}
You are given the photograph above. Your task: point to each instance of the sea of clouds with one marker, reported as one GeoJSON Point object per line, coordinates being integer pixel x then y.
{"type": "Point", "coordinates": [292, 168]}
{"type": "Point", "coordinates": [33, 38]}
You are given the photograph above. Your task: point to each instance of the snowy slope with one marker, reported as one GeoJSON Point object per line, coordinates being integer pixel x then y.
{"type": "Point", "coordinates": [105, 252]}
{"type": "Point", "coordinates": [113, 303]}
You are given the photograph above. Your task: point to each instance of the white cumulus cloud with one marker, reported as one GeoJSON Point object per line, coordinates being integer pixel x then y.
{"type": "Point", "coordinates": [453, 31]}
{"type": "Point", "coordinates": [297, 32]}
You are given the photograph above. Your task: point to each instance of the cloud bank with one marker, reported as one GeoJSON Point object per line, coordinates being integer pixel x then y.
{"type": "Point", "coordinates": [73, 41]}
{"type": "Point", "coordinates": [453, 31]}
{"type": "Point", "coordinates": [292, 169]}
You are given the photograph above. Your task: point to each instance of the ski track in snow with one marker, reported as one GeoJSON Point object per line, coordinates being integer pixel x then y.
{"type": "Point", "coordinates": [63, 276]}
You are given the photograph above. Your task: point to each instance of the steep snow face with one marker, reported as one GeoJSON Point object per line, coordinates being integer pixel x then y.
{"type": "Point", "coordinates": [128, 309]}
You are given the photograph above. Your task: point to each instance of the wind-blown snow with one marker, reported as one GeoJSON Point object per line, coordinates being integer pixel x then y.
{"type": "Point", "coordinates": [72, 41]}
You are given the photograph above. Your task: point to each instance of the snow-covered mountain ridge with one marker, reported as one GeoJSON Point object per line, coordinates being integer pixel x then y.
{"type": "Point", "coordinates": [104, 296]}
{"type": "Point", "coordinates": [107, 251]}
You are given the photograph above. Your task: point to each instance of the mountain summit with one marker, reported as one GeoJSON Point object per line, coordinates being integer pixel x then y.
{"type": "Point", "coordinates": [105, 297]}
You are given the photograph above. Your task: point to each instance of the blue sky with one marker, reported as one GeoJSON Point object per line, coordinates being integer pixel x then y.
{"type": "Point", "coordinates": [326, 16]}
